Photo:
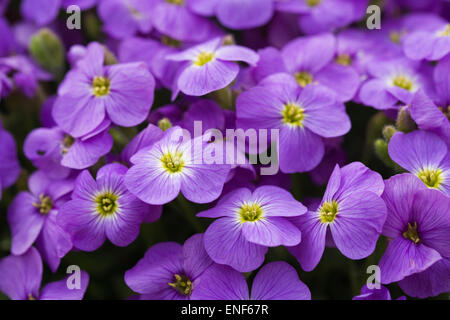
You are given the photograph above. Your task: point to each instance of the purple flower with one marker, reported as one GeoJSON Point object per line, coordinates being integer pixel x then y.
{"type": "Point", "coordinates": [22, 275]}
{"type": "Point", "coordinates": [9, 164]}
{"type": "Point", "coordinates": [375, 294]}
{"type": "Point", "coordinates": [40, 12]}
{"type": "Point", "coordinates": [353, 211]}
{"type": "Point", "coordinates": [313, 60]}
{"type": "Point", "coordinates": [428, 44]}
{"type": "Point", "coordinates": [169, 271]}
{"type": "Point", "coordinates": [176, 19]}
{"type": "Point", "coordinates": [429, 283]}
{"type": "Point", "coordinates": [418, 225]}
{"type": "Point", "coordinates": [91, 93]}
{"type": "Point", "coordinates": [274, 281]}
{"type": "Point", "coordinates": [425, 155]}
{"type": "Point", "coordinates": [429, 117]}
{"type": "Point", "coordinates": [25, 73]}
{"type": "Point", "coordinates": [56, 152]}
{"type": "Point", "coordinates": [319, 16]}
{"type": "Point", "coordinates": [173, 164]}
{"type": "Point", "coordinates": [248, 223]}
{"type": "Point", "coordinates": [152, 52]}
{"type": "Point", "coordinates": [210, 66]}
{"type": "Point", "coordinates": [101, 209]}
{"type": "Point", "coordinates": [240, 14]}
{"type": "Point", "coordinates": [124, 18]}
{"type": "Point", "coordinates": [32, 218]}
{"type": "Point", "coordinates": [303, 117]}
{"type": "Point", "coordinates": [392, 81]}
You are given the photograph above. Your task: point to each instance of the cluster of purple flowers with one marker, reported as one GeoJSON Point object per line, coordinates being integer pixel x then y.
{"type": "Point", "coordinates": [111, 152]}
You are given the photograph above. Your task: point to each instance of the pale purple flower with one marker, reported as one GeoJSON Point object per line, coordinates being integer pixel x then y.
{"type": "Point", "coordinates": [210, 66]}
{"type": "Point", "coordinates": [22, 275]}
{"type": "Point", "coordinates": [32, 218]}
{"type": "Point", "coordinates": [274, 281]}
{"type": "Point", "coordinates": [176, 163]}
{"type": "Point", "coordinates": [250, 222]}
{"type": "Point", "coordinates": [425, 155]}
{"type": "Point", "coordinates": [91, 93]}
{"type": "Point", "coordinates": [100, 209]}
{"type": "Point", "coordinates": [351, 209]}
{"type": "Point", "coordinates": [418, 224]}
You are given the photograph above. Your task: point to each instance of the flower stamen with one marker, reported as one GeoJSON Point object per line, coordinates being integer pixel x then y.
{"type": "Point", "coordinates": [45, 204]}
{"type": "Point", "coordinates": [303, 78]}
{"type": "Point", "coordinates": [293, 115]}
{"type": "Point", "coordinates": [204, 58]}
{"type": "Point", "coordinates": [172, 162]}
{"type": "Point", "coordinates": [250, 212]}
{"type": "Point", "coordinates": [431, 177]}
{"type": "Point", "coordinates": [101, 86]}
{"type": "Point", "coordinates": [411, 233]}
{"type": "Point", "coordinates": [182, 284]}
{"type": "Point", "coordinates": [328, 211]}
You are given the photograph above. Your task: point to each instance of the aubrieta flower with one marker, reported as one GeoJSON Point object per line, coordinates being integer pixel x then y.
{"type": "Point", "coordinates": [9, 164]}
{"type": "Point", "coordinates": [250, 222]}
{"type": "Point", "coordinates": [426, 44]}
{"type": "Point", "coordinates": [352, 210]}
{"type": "Point", "coordinates": [418, 225]}
{"type": "Point", "coordinates": [274, 281]}
{"type": "Point", "coordinates": [312, 60]}
{"type": "Point", "coordinates": [393, 81]}
{"type": "Point", "coordinates": [324, 15]}
{"type": "Point", "coordinates": [430, 117]}
{"type": "Point", "coordinates": [210, 66]}
{"type": "Point", "coordinates": [32, 218]}
{"type": "Point", "coordinates": [56, 152]}
{"type": "Point", "coordinates": [173, 164]}
{"type": "Point", "coordinates": [45, 11]}
{"type": "Point", "coordinates": [303, 115]}
{"type": "Point", "coordinates": [425, 155]}
{"type": "Point", "coordinates": [124, 18]}
{"type": "Point", "coordinates": [92, 92]}
{"type": "Point", "coordinates": [22, 275]}
{"type": "Point", "coordinates": [429, 283]}
{"type": "Point", "coordinates": [101, 209]}
{"type": "Point", "coordinates": [381, 293]}
{"type": "Point", "coordinates": [176, 19]}
{"type": "Point", "coordinates": [238, 14]}
{"type": "Point", "coordinates": [170, 271]}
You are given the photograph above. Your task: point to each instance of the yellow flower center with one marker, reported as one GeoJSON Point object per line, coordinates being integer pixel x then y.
{"type": "Point", "coordinates": [431, 177]}
{"type": "Point", "coordinates": [176, 2]}
{"type": "Point", "coordinates": [250, 212]}
{"type": "Point", "coordinates": [396, 36]}
{"type": "Point", "coordinates": [203, 58]}
{"type": "Point", "coordinates": [313, 3]}
{"type": "Point", "coordinates": [303, 78]}
{"type": "Point", "coordinates": [446, 31]}
{"type": "Point", "coordinates": [411, 233]}
{"type": "Point", "coordinates": [67, 142]}
{"type": "Point", "coordinates": [164, 124]}
{"type": "Point", "coordinates": [403, 82]}
{"type": "Point", "coordinates": [182, 284]}
{"type": "Point", "coordinates": [173, 163]}
{"type": "Point", "coordinates": [344, 59]}
{"type": "Point", "coordinates": [45, 204]}
{"type": "Point", "coordinates": [106, 204]}
{"type": "Point", "coordinates": [293, 115]}
{"type": "Point", "coordinates": [170, 42]}
{"type": "Point", "coordinates": [328, 211]}
{"type": "Point", "coordinates": [100, 86]}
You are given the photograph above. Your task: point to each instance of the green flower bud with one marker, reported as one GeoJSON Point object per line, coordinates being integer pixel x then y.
{"type": "Point", "coordinates": [404, 121]}
{"type": "Point", "coordinates": [48, 51]}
